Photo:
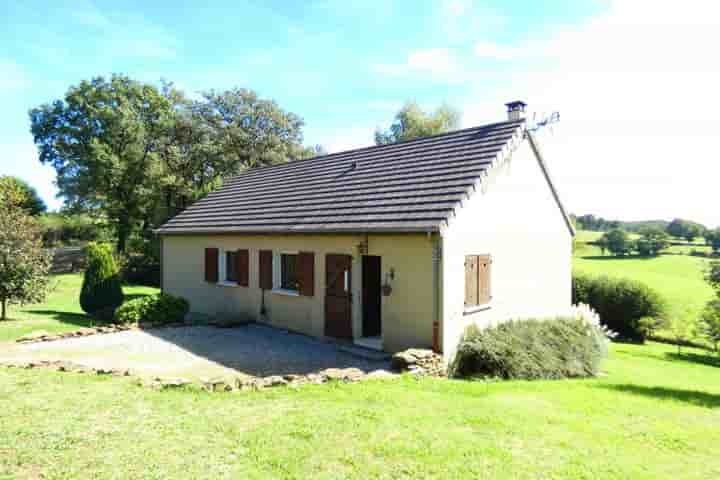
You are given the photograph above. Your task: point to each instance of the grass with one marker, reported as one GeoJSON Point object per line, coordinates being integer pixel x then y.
{"type": "Point", "coordinates": [677, 276]}
{"type": "Point", "coordinates": [655, 415]}
{"type": "Point", "coordinates": [60, 312]}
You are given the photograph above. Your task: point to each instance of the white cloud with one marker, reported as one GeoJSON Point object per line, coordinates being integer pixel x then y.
{"type": "Point", "coordinates": [636, 90]}
{"type": "Point", "coordinates": [438, 64]}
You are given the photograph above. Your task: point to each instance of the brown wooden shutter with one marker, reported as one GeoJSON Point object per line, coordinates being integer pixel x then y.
{"type": "Point", "coordinates": [484, 268]}
{"type": "Point", "coordinates": [266, 273]}
{"type": "Point", "coordinates": [243, 267]}
{"type": "Point", "coordinates": [306, 273]}
{"type": "Point", "coordinates": [211, 265]}
{"type": "Point", "coordinates": [471, 280]}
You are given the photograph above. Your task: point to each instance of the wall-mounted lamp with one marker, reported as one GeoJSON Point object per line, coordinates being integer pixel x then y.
{"type": "Point", "coordinates": [387, 288]}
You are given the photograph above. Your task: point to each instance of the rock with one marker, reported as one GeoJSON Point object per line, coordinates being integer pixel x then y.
{"type": "Point", "coordinates": [35, 336]}
{"type": "Point", "coordinates": [419, 362]}
{"type": "Point", "coordinates": [85, 331]}
{"type": "Point", "coordinates": [380, 375]}
{"type": "Point", "coordinates": [217, 385]}
{"type": "Point", "coordinates": [342, 374]}
{"type": "Point", "coordinates": [274, 381]}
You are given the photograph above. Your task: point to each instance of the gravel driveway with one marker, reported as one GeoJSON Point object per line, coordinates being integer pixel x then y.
{"type": "Point", "coordinates": [197, 352]}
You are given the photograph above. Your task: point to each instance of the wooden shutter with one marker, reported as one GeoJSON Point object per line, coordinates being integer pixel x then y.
{"type": "Point", "coordinates": [211, 265]}
{"type": "Point", "coordinates": [266, 271]}
{"type": "Point", "coordinates": [306, 273]}
{"type": "Point", "coordinates": [243, 267]}
{"type": "Point", "coordinates": [484, 268]}
{"type": "Point", "coordinates": [471, 280]}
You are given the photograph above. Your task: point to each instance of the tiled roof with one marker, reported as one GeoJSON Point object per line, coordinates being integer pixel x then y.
{"type": "Point", "coordinates": [411, 186]}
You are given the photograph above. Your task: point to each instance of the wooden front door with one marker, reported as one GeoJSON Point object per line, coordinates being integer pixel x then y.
{"type": "Point", "coordinates": [371, 296]}
{"type": "Point", "coordinates": [338, 299]}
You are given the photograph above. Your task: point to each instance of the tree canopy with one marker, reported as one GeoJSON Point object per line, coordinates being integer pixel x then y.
{"type": "Point", "coordinates": [28, 198]}
{"type": "Point", "coordinates": [686, 229]}
{"type": "Point", "coordinates": [412, 122]}
{"type": "Point", "coordinates": [140, 154]}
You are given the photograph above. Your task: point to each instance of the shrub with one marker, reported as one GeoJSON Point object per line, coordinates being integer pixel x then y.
{"type": "Point", "coordinates": [101, 289]}
{"type": "Point", "coordinates": [161, 308]}
{"type": "Point", "coordinates": [621, 304]}
{"type": "Point", "coordinates": [709, 324]}
{"type": "Point", "coordinates": [562, 347]}
{"type": "Point", "coordinates": [141, 270]}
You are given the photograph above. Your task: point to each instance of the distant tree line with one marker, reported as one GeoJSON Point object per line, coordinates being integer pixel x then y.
{"type": "Point", "coordinates": [599, 224]}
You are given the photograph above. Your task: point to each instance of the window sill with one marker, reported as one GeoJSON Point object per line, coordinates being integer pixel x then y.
{"type": "Point", "coordinates": [476, 309]}
{"type": "Point", "coordinates": [227, 284]}
{"type": "Point", "coordinates": [284, 291]}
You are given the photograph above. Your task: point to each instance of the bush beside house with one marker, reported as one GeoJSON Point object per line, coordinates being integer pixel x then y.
{"type": "Point", "coordinates": [630, 308]}
{"type": "Point", "coordinates": [562, 347]}
{"type": "Point", "coordinates": [155, 309]}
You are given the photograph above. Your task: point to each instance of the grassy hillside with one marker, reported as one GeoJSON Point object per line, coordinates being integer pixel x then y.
{"type": "Point", "coordinates": [677, 275]}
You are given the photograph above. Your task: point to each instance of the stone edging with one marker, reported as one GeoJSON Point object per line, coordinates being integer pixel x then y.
{"type": "Point", "coordinates": [88, 331]}
{"type": "Point", "coordinates": [414, 361]}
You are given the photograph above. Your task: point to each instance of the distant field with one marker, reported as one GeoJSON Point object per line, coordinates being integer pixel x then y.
{"type": "Point", "coordinates": [675, 275]}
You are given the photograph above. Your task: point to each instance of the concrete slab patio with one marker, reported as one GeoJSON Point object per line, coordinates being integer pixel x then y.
{"type": "Point", "coordinates": [196, 353]}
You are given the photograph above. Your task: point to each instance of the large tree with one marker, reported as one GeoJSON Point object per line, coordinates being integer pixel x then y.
{"type": "Point", "coordinates": [29, 199]}
{"type": "Point", "coordinates": [412, 122]}
{"type": "Point", "coordinates": [24, 265]}
{"type": "Point", "coordinates": [250, 131]}
{"type": "Point", "coordinates": [102, 139]}
{"type": "Point", "coordinates": [686, 229]}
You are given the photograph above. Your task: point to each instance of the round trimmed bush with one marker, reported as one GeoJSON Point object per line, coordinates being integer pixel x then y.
{"type": "Point", "coordinates": [101, 289]}
{"type": "Point", "coordinates": [161, 308]}
{"type": "Point", "coordinates": [563, 347]}
{"type": "Point", "coordinates": [624, 305]}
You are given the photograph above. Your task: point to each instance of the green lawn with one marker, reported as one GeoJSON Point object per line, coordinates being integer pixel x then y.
{"type": "Point", "coordinates": [61, 311]}
{"type": "Point", "coordinates": [654, 415]}
{"type": "Point", "coordinates": [676, 276]}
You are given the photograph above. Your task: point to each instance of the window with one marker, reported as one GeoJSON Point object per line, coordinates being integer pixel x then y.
{"type": "Point", "coordinates": [231, 273]}
{"type": "Point", "coordinates": [477, 280]}
{"type": "Point", "coordinates": [288, 271]}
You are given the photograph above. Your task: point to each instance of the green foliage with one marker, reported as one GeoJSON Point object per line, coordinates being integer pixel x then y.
{"type": "Point", "coordinates": [162, 308]}
{"type": "Point", "coordinates": [712, 276]}
{"type": "Point", "coordinates": [621, 304]}
{"type": "Point", "coordinates": [101, 289]}
{"type": "Point", "coordinates": [712, 237]}
{"type": "Point", "coordinates": [29, 200]}
{"type": "Point", "coordinates": [652, 242]}
{"type": "Point", "coordinates": [686, 229]}
{"type": "Point", "coordinates": [412, 122]}
{"type": "Point", "coordinates": [617, 242]}
{"type": "Point", "coordinates": [709, 323]}
{"type": "Point", "coordinates": [532, 349]}
{"type": "Point", "coordinates": [102, 141]}
{"type": "Point", "coordinates": [24, 265]}
{"type": "Point", "coordinates": [60, 229]}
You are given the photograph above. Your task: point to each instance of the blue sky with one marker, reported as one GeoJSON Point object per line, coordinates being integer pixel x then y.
{"type": "Point", "coordinates": [347, 66]}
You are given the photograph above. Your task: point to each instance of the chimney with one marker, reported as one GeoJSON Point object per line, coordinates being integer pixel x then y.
{"type": "Point", "coordinates": [516, 110]}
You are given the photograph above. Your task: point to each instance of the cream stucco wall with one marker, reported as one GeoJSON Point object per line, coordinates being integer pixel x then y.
{"type": "Point", "coordinates": [514, 218]}
{"type": "Point", "coordinates": [406, 313]}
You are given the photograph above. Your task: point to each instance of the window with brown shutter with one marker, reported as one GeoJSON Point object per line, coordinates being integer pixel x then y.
{"type": "Point", "coordinates": [266, 269]}
{"type": "Point", "coordinates": [306, 273]}
{"type": "Point", "coordinates": [211, 265]}
{"type": "Point", "coordinates": [477, 280]}
{"type": "Point", "coordinates": [242, 267]}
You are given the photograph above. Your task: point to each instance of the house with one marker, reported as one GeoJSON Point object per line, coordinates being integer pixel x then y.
{"type": "Point", "coordinates": [391, 246]}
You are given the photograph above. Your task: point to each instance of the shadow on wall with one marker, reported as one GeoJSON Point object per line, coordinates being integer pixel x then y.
{"type": "Point", "coordinates": [261, 350]}
{"type": "Point", "coordinates": [693, 397]}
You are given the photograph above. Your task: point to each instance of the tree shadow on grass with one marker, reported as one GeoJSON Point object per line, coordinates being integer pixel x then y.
{"type": "Point", "coordinates": [78, 319]}
{"type": "Point", "coordinates": [693, 397]}
{"type": "Point", "coordinates": [709, 360]}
